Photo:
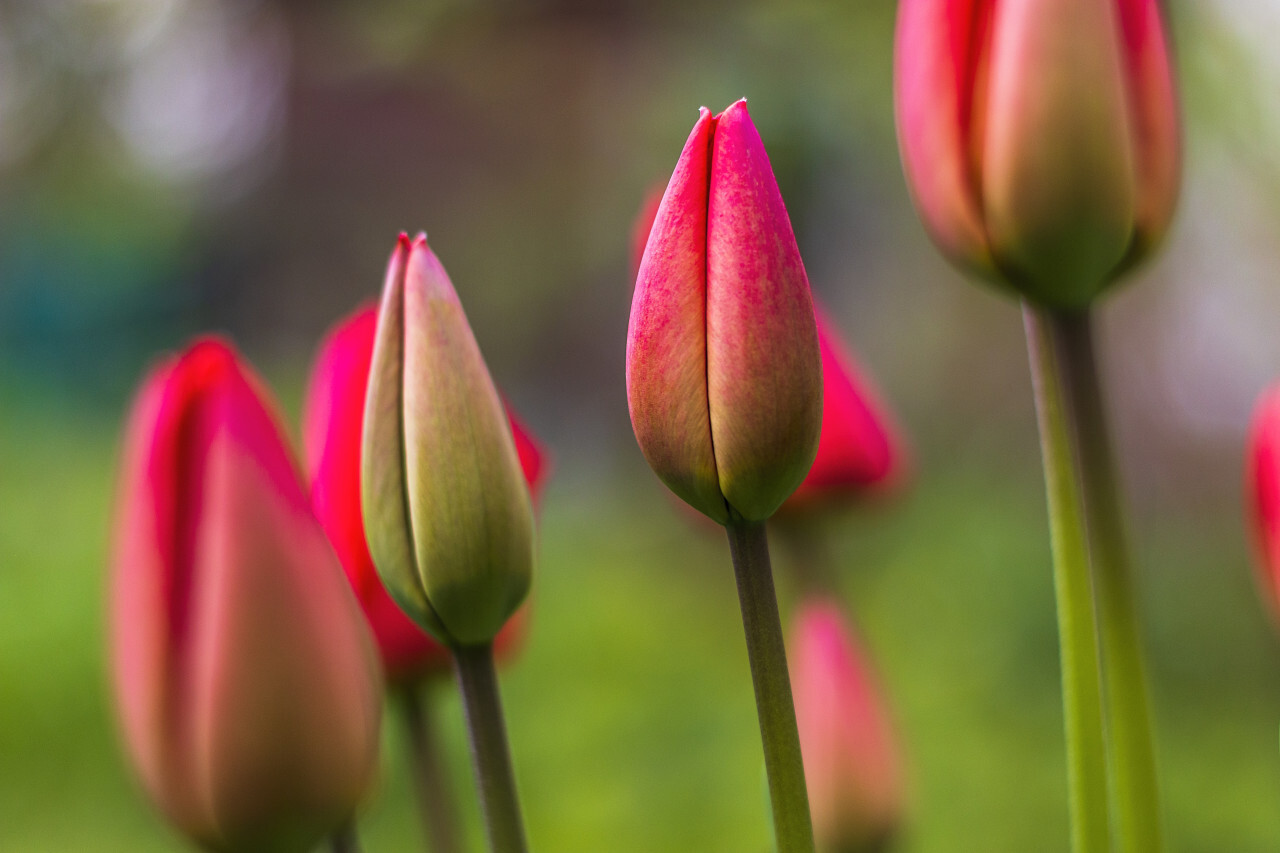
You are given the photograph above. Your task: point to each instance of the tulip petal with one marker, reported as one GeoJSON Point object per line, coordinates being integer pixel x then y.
{"type": "Point", "coordinates": [1154, 107]}
{"type": "Point", "coordinates": [285, 743]}
{"type": "Point", "coordinates": [1057, 154]}
{"type": "Point", "coordinates": [937, 63]}
{"type": "Point", "coordinates": [384, 492]}
{"type": "Point", "coordinates": [468, 502]}
{"type": "Point", "coordinates": [1262, 478]}
{"type": "Point", "coordinates": [764, 370]}
{"type": "Point", "coordinates": [667, 336]}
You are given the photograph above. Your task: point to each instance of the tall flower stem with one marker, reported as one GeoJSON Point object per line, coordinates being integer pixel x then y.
{"type": "Point", "coordinates": [344, 839]}
{"type": "Point", "coordinates": [1131, 751]}
{"type": "Point", "coordinates": [490, 754]}
{"type": "Point", "coordinates": [430, 777]}
{"type": "Point", "coordinates": [750, 549]}
{"type": "Point", "coordinates": [1073, 586]}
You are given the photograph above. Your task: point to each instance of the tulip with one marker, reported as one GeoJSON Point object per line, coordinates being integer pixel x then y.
{"type": "Point", "coordinates": [859, 451]}
{"type": "Point", "coordinates": [446, 509]}
{"type": "Point", "coordinates": [851, 763]}
{"type": "Point", "coordinates": [1040, 138]}
{"type": "Point", "coordinates": [247, 687]}
{"type": "Point", "coordinates": [643, 225]}
{"type": "Point", "coordinates": [333, 418]}
{"type": "Point", "coordinates": [724, 375]}
{"type": "Point", "coordinates": [1262, 479]}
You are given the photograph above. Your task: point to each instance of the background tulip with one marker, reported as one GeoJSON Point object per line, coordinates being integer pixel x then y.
{"type": "Point", "coordinates": [446, 508]}
{"type": "Point", "coordinates": [1262, 483]}
{"type": "Point", "coordinates": [247, 687]}
{"type": "Point", "coordinates": [333, 417]}
{"type": "Point", "coordinates": [1040, 138]}
{"type": "Point", "coordinates": [723, 368]}
{"type": "Point", "coordinates": [851, 763]}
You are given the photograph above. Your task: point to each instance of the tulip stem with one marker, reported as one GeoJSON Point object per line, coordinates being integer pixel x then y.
{"type": "Point", "coordinates": [344, 839]}
{"type": "Point", "coordinates": [426, 758]}
{"type": "Point", "coordinates": [490, 754]}
{"type": "Point", "coordinates": [1073, 587]}
{"type": "Point", "coordinates": [750, 549]}
{"type": "Point", "coordinates": [1131, 752]}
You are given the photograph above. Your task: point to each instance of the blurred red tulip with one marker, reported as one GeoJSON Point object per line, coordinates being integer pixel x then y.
{"type": "Point", "coordinates": [333, 417]}
{"type": "Point", "coordinates": [724, 375]}
{"type": "Point", "coordinates": [1040, 138]}
{"type": "Point", "coordinates": [859, 450]}
{"type": "Point", "coordinates": [851, 763]}
{"type": "Point", "coordinates": [247, 686]}
{"type": "Point", "coordinates": [1262, 480]}
{"type": "Point", "coordinates": [643, 224]}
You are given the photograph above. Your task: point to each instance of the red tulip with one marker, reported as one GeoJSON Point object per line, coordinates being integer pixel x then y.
{"type": "Point", "coordinates": [724, 376]}
{"type": "Point", "coordinates": [1040, 137]}
{"type": "Point", "coordinates": [858, 451]}
{"type": "Point", "coordinates": [248, 690]}
{"type": "Point", "coordinates": [1262, 478]}
{"type": "Point", "coordinates": [851, 764]}
{"type": "Point", "coordinates": [333, 419]}
{"type": "Point", "coordinates": [643, 225]}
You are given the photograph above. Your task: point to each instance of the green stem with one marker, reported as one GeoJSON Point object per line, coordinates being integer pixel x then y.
{"type": "Point", "coordinates": [750, 549]}
{"type": "Point", "coordinates": [426, 758]}
{"type": "Point", "coordinates": [1131, 751]}
{"type": "Point", "coordinates": [490, 754]}
{"type": "Point", "coordinates": [344, 839]}
{"type": "Point", "coordinates": [1077, 625]}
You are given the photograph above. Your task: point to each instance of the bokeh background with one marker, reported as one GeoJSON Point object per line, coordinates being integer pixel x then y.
{"type": "Point", "coordinates": [174, 166]}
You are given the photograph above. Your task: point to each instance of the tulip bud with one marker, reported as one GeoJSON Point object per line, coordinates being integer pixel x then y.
{"type": "Point", "coordinates": [858, 450]}
{"type": "Point", "coordinates": [1262, 483]}
{"type": "Point", "coordinates": [446, 508]}
{"type": "Point", "coordinates": [851, 765]}
{"type": "Point", "coordinates": [724, 377]}
{"type": "Point", "coordinates": [1040, 138]}
{"type": "Point", "coordinates": [248, 691]}
{"type": "Point", "coordinates": [333, 417]}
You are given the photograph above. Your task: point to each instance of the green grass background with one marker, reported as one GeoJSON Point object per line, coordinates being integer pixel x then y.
{"type": "Point", "coordinates": [630, 710]}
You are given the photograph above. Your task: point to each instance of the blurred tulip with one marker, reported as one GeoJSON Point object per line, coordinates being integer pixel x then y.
{"type": "Point", "coordinates": [643, 224]}
{"type": "Point", "coordinates": [851, 764]}
{"type": "Point", "coordinates": [447, 513]}
{"type": "Point", "coordinates": [859, 451]}
{"type": "Point", "coordinates": [1040, 137]}
{"type": "Point", "coordinates": [724, 375]}
{"type": "Point", "coordinates": [247, 687]}
{"type": "Point", "coordinates": [333, 417]}
{"type": "Point", "coordinates": [1262, 481]}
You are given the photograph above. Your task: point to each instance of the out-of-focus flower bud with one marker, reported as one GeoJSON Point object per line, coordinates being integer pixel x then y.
{"type": "Point", "coordinates": [859, 450]}
{"type": "Point", "coordinates": [724, 375]}
{"type": "Point", "coordinates": [1262, 484]}
{"type": "Point", "coordinates": [851, 763]}
{"type": "Point", "coordinates": [642, 225]}
{"type": "Point", "coordinates": [333, 418]}
{"type": "Point", "coordinates": [446, 509]}
{"type": "Point", "coordinates": [1040, 138]}
{"type": "Point", "coordinates": [248, 690]}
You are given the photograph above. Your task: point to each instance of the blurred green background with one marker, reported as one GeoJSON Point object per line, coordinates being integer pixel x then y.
{"type": "Point", "coordinates": [172, 166]}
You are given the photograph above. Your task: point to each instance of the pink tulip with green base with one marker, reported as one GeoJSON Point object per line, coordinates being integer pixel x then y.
{"type": "Point", "coordinates": [246, 682]}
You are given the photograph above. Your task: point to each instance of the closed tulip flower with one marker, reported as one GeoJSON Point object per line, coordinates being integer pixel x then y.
{"type": "Point", "coordinates": [1262, 479]}
{"type": "Point", "coordinates": [724, 375]}
{"type": "Point", "coordinates": [447, 512]}
{"type": "Point", "coordinates": [1040, 138]}
{"type": "Point", "coordinates": [333, 418]}
{"type": "Point", "coordinates": [856, 788]}
{"type": "Point", "coordinates": [247, 687]}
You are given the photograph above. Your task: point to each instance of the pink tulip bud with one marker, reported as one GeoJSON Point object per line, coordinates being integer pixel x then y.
{"type": "Point", "coordinates": [1262, 480]}
{"type": "Point", "coordinates": [859, 451]}
{"type": "Point", "coordinates": [1040, 138]}
{"type": "Point", "coordinates": [446, 509]}
{"type": "Point", "coordinates": [851, 765]}
{"type": "Point", "coordinates": [724, 375]}
{"type": "Point", "coordinates": [333, 422]}
{"type": "Point", "coordinates": [247, 687]}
